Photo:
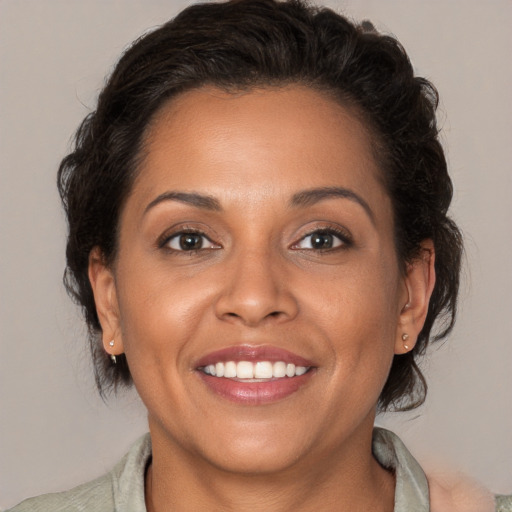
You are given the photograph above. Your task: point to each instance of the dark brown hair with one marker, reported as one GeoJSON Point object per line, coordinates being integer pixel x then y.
{"type": "Point", "coordinates": [238, 45]}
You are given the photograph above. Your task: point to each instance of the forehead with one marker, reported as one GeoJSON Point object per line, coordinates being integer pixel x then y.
{"type": "Point", "coordinates": [282, 139]}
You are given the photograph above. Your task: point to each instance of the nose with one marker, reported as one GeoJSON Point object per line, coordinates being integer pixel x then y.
{"type": "Point", "coordinates": [255, 291]}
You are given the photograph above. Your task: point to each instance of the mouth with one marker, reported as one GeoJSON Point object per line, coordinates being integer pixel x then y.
{"type": "Point", "coordinates": [261, 371]}
{"type": "Point", "coordinates": [254, 375]}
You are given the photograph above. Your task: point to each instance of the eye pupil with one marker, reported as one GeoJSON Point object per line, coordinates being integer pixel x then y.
{"type": "Point", "coordinates": [190, 242]}
{"type": "Point", "coordinates": [321, 241]}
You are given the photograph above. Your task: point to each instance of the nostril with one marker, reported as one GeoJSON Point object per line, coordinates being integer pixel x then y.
{"type": "Point", "coordinates": [248, 318]}
{"type": "Point", "coordinates": [252, 305]}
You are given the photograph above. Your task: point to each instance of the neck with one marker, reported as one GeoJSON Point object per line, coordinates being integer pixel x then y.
{"type": "Point", "coordinates": [347, 479]}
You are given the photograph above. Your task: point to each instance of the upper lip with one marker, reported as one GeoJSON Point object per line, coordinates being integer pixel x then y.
{"type": "Point", "coordinates": [252, 353]}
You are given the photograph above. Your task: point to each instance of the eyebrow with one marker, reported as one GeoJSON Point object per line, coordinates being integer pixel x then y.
{"type": "Point", "coordinates": [300, 199]}
{"type": "Point", "coordinates": [315, 195]}
{"type": "Point", "coordinates": [198, 200]}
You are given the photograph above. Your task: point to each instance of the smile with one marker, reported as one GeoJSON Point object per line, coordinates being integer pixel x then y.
{"type": "Point", "coordinates": [259, 371]}
{"type": "Point", "coordinates": [254, 375]}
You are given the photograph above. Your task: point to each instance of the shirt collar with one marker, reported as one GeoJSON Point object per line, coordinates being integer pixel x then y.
{"type": "Point", "coordinates": [411, 488]}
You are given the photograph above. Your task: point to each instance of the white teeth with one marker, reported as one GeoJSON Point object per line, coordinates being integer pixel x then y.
{"type": "Point", "coordinates": [219, 370]}
{"type": "Point", "coordinates": [245, 370]}
{"type": "Point", "coordinates": [279, 369]}
{"type": "Point", "coordinates": [263, 370]}
{"type": "Point", "coordinates": [229, 369]}
{"type": "Point", "coordinates": [259, 370]}
{"type": "Point", "coordinates": [300, 370]}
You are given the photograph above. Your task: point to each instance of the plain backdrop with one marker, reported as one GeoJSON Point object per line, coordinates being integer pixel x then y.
{"type": "Point", "coordinates": [55, 432]}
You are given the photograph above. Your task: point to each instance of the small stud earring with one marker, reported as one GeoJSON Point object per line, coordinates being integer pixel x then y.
{"type": "Point", "coordinates": [112, 356]}
{"type": "Point", "coordinates": [405, 337]}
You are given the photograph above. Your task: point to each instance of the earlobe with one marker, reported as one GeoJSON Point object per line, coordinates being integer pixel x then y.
{"type": "Point", "coordinates": [419, 282]}
{"type": "Point", "coordinates": [103, 286]}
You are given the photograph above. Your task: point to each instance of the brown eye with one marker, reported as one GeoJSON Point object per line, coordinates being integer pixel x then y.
{"type": "Point", "coordinates": [321, 240]}
{"type": "Point", "coordinates": [190, 242]}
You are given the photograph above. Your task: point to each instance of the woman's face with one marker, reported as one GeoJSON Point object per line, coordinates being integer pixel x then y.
{"type": "Point", "coordinates": [257, 236]}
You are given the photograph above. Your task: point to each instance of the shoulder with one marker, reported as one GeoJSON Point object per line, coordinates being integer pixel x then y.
{"type": "Point", "coordinates": [120, 489]}
{"type": "Point", "coordinates": [504, 503]}
{"type": "Point", "coordinates": [433, 491]}
{"type": "Point", "coordinates": [95, 495]}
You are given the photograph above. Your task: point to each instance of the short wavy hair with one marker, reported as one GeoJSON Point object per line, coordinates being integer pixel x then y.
{"type": "Point", "coordinates": [243, 44]}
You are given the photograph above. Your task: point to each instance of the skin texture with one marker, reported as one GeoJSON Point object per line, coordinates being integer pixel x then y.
{"type": "Point", "coordinates": [257, 281]}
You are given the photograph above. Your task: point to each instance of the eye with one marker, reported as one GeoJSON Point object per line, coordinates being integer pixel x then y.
{"type": "Point", "coordinates": [323, 239]}
{"type": "Point", "coordinates": [189, 241]}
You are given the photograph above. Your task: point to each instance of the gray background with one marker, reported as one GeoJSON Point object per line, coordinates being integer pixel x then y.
{"type": "Point", "coordinates": [54, 430]}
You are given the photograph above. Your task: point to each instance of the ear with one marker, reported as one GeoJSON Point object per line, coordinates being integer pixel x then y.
{"type": "Point", "coordinates": [103, 286]}
{"type": "Point", "coordinates": [419, 281]}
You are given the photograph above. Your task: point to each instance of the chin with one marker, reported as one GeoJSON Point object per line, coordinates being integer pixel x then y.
{"type": "Point", "coordinates": [255, 461]}
{"type": "Point", "coordinates": [251, 449]}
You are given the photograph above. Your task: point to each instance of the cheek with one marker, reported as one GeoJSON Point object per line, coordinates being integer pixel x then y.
{"type": "Point", "coordinates": [159, 313]}
{"type": "Point", "coordinates": [161, 318]}
{"type": "Point", "coordinates": [355, 299]}
{"type": "Point", "coordinates": [357, 314]}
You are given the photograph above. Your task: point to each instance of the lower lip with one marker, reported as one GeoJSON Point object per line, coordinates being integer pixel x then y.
{"type": "Point", "coordinates": [255, 393]}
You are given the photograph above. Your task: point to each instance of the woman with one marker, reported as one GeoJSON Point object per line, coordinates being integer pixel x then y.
{"type": "Point", "coordinates": [258, 238]}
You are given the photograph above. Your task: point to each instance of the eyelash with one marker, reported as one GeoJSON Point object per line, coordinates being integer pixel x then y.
{"type": "Point", "coordinates": [344, 239]}
{"type": "Point", "coordinates": [164, 241]}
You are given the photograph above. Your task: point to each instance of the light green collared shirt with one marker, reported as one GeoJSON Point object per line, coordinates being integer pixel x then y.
{"type": "Point", "coordinates": [122, 490]}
